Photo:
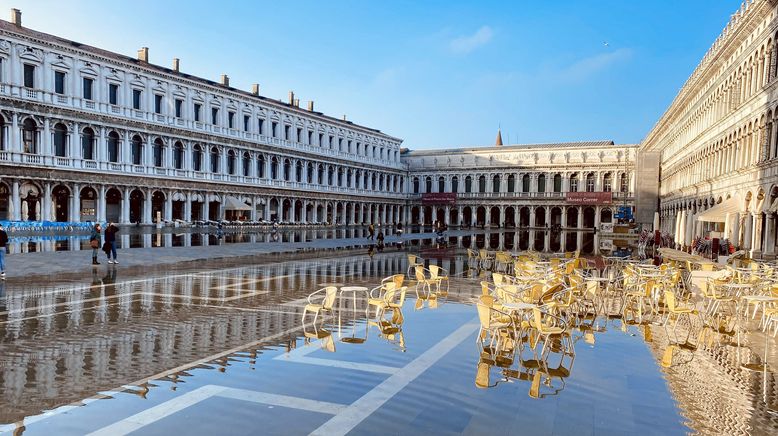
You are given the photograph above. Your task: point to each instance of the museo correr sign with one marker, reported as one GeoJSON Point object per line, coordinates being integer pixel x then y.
{"type": "Point", "coordinates": [589, 198]}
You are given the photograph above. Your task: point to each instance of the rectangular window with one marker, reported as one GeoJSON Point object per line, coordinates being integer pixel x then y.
{"type": "Point", "coordinates": [29, 76]}
{"type": "Point", "coordinates": [231, 120]}
{"type": "Point", "coordinates": [329, 144]}
{"type": "Point", "coordinates": [310, 137]}
{"type": "Point", "coordinates": [261, 127]}
{"type": "Point", "coordinates": [299, 137]}
{"type": "Point", "coordinates": [157, 104]}
{"type": "Point", "coordinates": [136, 93]}
{"type": "Point", "coordinates": [214, 115]}
{"type": "Point", "coordinates": [88, 83]}
{"type": "Point", "coordinates": [274, 129]}
{"type": "Point", "coordinates": [113, 94]}
{"type": "Point", "coordinates": [246, 121]}
{"type": "Point", "coordinates": [197, 107]}
{"type": "Point", "coordinates": [287, 132]}
{"type": "Point", "coordinates": [321, 139]}
{"type": "Point", "coordinates": [59, 82]}
{"type": "Point", "coordinates": [179, 107]}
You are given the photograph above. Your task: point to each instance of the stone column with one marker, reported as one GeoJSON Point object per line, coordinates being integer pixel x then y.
{"type": "Point", "coordinates": [756, 231]}
{"type": "Point", "coordinates": [125, 217]}
{"type": "Point", "coordinates": [46, 203]}
{"type": "Point", "coordinates": [101, 204]}
{"type": "Point", "coordinates": [768, 244]}
{"type": "Point", "coordinates": [188, 208]}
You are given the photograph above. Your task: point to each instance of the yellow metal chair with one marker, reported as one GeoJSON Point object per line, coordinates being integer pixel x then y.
{"type": "Point", "coordinates": [327, 301]}
{"type": "Point", "coordinates": [675, 312]}
{"type": "Point", "coordinates": [439, 274]}
{"type": "Point", "coordinates": [425, 280]}
{"type": "Point", "coordinates": [397, 279]}
{"type": "Point", "coordinates": [391, 299]}
{"type": "Point", "coordinates": [413, 262]}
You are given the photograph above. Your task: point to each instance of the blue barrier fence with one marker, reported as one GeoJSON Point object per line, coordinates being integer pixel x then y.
{"type": "Point", "coordinates": [44, 226]}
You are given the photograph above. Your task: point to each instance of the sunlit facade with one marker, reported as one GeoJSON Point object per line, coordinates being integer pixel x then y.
{"type": "Point", "coordinates": [89, 135]}
{"type": "Point", "coordinates": [717, 140]}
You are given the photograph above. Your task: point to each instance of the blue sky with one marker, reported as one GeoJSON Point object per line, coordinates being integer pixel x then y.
{"type": "Point", "coordinates": [435, 73]}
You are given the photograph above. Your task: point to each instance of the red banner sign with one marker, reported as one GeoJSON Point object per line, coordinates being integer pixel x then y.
{"type": "Point", "coordinates": [589, 197]}
{"type": "Point", "coordinates": [439, 198]}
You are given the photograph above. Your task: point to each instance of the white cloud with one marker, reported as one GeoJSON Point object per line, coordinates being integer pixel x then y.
{"type": "Point", "coordinates": [587, 67]}
{"type": "Point", "coordinates": [468, 43]}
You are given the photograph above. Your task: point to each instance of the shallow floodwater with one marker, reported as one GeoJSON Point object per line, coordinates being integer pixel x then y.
{"type": "Point", "coordinates": [224, 350]}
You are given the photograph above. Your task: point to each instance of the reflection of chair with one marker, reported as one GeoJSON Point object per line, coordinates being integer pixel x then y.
{"type": "Point", "coordinates": [472, 259]}
{"type": "Point", "coordinates": [391, 328]}
{"type": "Point", "coordinates": [503, 261]}
{"type": "Point", "coordinates": [326, 295]}
{"type": "Point", "coordinates": [498, 328]}
{"type": "Point", "coordinates": [484, 258]}
{"type": "Point", "coordinates": [551, 328]}
{"type": "Point", "coordinates": [324, 336]}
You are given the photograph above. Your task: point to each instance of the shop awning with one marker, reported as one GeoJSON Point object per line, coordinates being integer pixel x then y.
{"type": "Point", "coordinates": [233, 203]}
{"type": "Point", "coordinates": [718, 213]}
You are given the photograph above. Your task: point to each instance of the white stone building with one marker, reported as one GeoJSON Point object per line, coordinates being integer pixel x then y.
{"type": "Point", "coordinates": [717, 140]}
{"type": "Point", "coordinates": [87, 134]}
{"type": "Point", "coordinates": [525, 187]}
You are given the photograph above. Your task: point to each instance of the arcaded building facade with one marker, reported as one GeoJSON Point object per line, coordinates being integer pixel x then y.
{"type": "Point", "coordinates": [90, 135]}
{"type": "Point", "coordinates": [717, 140]}
{"type": "Point", "coordinates": [557, 194]}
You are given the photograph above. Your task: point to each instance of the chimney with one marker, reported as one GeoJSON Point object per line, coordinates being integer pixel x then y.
{"type": "Point", "coordinates": [291, 98]}
{"type": "Point", "coordinates": [143, 54]}
{"type": "Point", "coordinates": [16, 17]}
{"type": "Point", "coordinates": [310, 106]}
{"type": "Point", "coordinates": [225, 80]}
{"type": "Point", "coordinates": [296, 102]}
{"type": "Point", "coordinates": [344, 117]}
{"type": "Point", "coordinates": [255, 89]}
{"type": "Point", "coordinates": [176, 63]}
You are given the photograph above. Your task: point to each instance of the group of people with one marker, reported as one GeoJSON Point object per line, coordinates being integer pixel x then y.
{"type": "Point", "coordinates": [108, 246]}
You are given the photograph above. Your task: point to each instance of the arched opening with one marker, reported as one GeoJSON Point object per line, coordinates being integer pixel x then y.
{"type": "Point", "coordinates": [310, 172]}
{"type": "Point", "coordinates": [287, 170]}
{"type": "Point", "coordinates": [60, 198]}
{"type": "Point", "coordinates": [88, 144]}
{"type": "Point", "coordinates": [178, 155]}
{"type": "Point", "coordinates": [467, 216]}
{"type": "Point", "coordinates": [440, 215]}
{"type": "Point", "coordinates": [542, 183]}
{"type": "Point", "coordinates": [555, 243]}
{"type": "Point", "coordinates": [197, 157]}
{"type": "Point", "coordinates": [428, 184]}
{"type": "Point", "coordinates": [480, 216]}
{"type": "Point", "coordinates": [525, 179]}
{"type": "Point", "coordinates": [159, 153]}
{"type": "Point", "coordinates": [441, 184]}
{"type": "Point", "coordinates": [428, 216]}
{"type": "Point", "coordinates": [415, 217]}
{"type": "Point", "coordinates": [590, 182]}
{"type": "Point", "coordinates": [231, 158]}
{"type": "Point", "coordinates": [415, 185]}
{"type": "Point", "coordinates": [299, 172]}
{"type": "Point", "coordinates": [298, 211]}
{"type": "Point", "coordinates": [557, 183]}
{"type": "Point", "coordinates": [261, 166]}
{"type": "Point", "coordinates": [274, 210]}
{"type": "Point", "coordinates": [88, 204]}
{"type": "Point", "coordinates": [453, 216]}
{"type": "Point", "coordinates": [482, 184]}
{"type": "Point", "coordinates": [606, 216]}
{"type": "Point", "coordinates": [494, 216]}
{"type": "Point", "coordinates": [574, 182]}
{"type": "Point", "coordinates": [136, 206]}
{"type": "Point", "coordinates": [30, 136]}
{"type": "Point", "coordinates": [588, 218]}
{"type": "Point", "coordinates": [607, 182]}
{"type": "Point", "coordinates": [136, 150]}
{"type": "Point", "coordinates": [572, 217]}
{"type": "Point", "coordinates": [468, 184]}
{"type": "Point", "coordinates": [113, 147]}
{"type": "Point", "coordinates": [496, 183]}
{"type": "Point", "coordinates": [511, 183]}
{"type": "Point", "coordinates": [158, 206]}
{"type": "Point", "coordinates": [113, 205]}
{"type": "Point", "coordinates": [455, 184]}
{"type": "Point", "coordinates": [178, 204]}
{"type": "Point", "coordinates": [215, 160]}
{"type": "Point", "coordinates": [510, 217]}
{"type": "Point", "coordinates": [4, 200]}
{"type": "Point", "coordinates": [286, 210]}
{"type": "Point", "coordinates": [30, 195]}
{"type": "Point", "coordinates": [60, 140]}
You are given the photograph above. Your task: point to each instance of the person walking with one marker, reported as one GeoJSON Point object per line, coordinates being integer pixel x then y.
{"type": "Point", "coordinates": [110, 239]}
{"type": "Point", "coordinates": [370, 231]}
{"type": "Point", "coordinates": [3, 244]}
{"type": "Point", "coordinates": [94, 242]}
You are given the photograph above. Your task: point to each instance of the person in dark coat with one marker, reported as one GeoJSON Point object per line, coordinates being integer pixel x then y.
{"type": "Point", "coordinates": [94, 242]}
{"type": "Point", "coordinates": [3, 244]}
{"type": "Point", "coordinates": [110, 240]}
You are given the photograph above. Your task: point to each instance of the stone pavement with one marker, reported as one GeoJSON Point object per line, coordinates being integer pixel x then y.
{"type": "Point", "coordinates": [24, 266]}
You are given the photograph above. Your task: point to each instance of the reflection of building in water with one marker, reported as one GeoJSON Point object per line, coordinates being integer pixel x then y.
{"type": "Point", "coordinates": [556, 194]}
{"type": "Point", "coordinates": [62, 344]}
{"type": "Point", "coordinates": [716, 395]}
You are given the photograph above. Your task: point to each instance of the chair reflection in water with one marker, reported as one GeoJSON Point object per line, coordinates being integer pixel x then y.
{"type": "Point", "coordinates": [319, 301]}
{"type": "Point", "coordinates": [313, 332]}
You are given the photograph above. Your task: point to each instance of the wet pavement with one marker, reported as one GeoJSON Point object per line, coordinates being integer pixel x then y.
{"type": "Point", "coordinates": [218, 346]}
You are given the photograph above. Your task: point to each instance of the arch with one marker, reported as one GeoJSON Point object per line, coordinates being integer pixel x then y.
{"type": "Point", "coordinates": [197, 157]}
{"type": "Point", "coordinates": [60, 137]}
{"type": "Point", "coordinates": [136, 205]}
{"type": "Point", "coordinates": [88, 143]}
{"type": "Point", "coordinates": [113, 146]}
{"type": "Point", "coordinates": [214, 159]}
{"type": "Point", "coordinates": [88, 204]}
{"type": "Point", "coordinates": [113, 205]}
{"type": "Point", "coordinates": [30, 136]}
{"type": "Point", "coordinates": [542, 183]}
{"type": "Point", "coordinates": [60, 200]}
{"type": "Point", "coordinates": [231, 158]}
{"type": "Point", "coordinates": [158, 150]}
{"type": "Point", "coordinates": [178, 155]}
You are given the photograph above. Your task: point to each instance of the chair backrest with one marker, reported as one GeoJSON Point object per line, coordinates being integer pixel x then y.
{"type": "Point", "coordinates": [487, 300]}
{"type": "Point", "coordinates": [434, 271]}
{"type": "Point", "coordinates": [485, 289]}
{"type": "Point", "coordinates": [396, 279]}
{"type": "Point", "coordinates": [330, 293]}
{"type": "Point", "coordinates": [484, 315]}
{"type": "Point", "coordinates": [670, 300]}
{"type": "Point", "coordinates": [419, 273]}
{"type": "Point", "coordinates": [412, 259]}
{"type": "Point", "coordinates": [482, 253]}
{"type": "Point", "coordinates": [497, 278]}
